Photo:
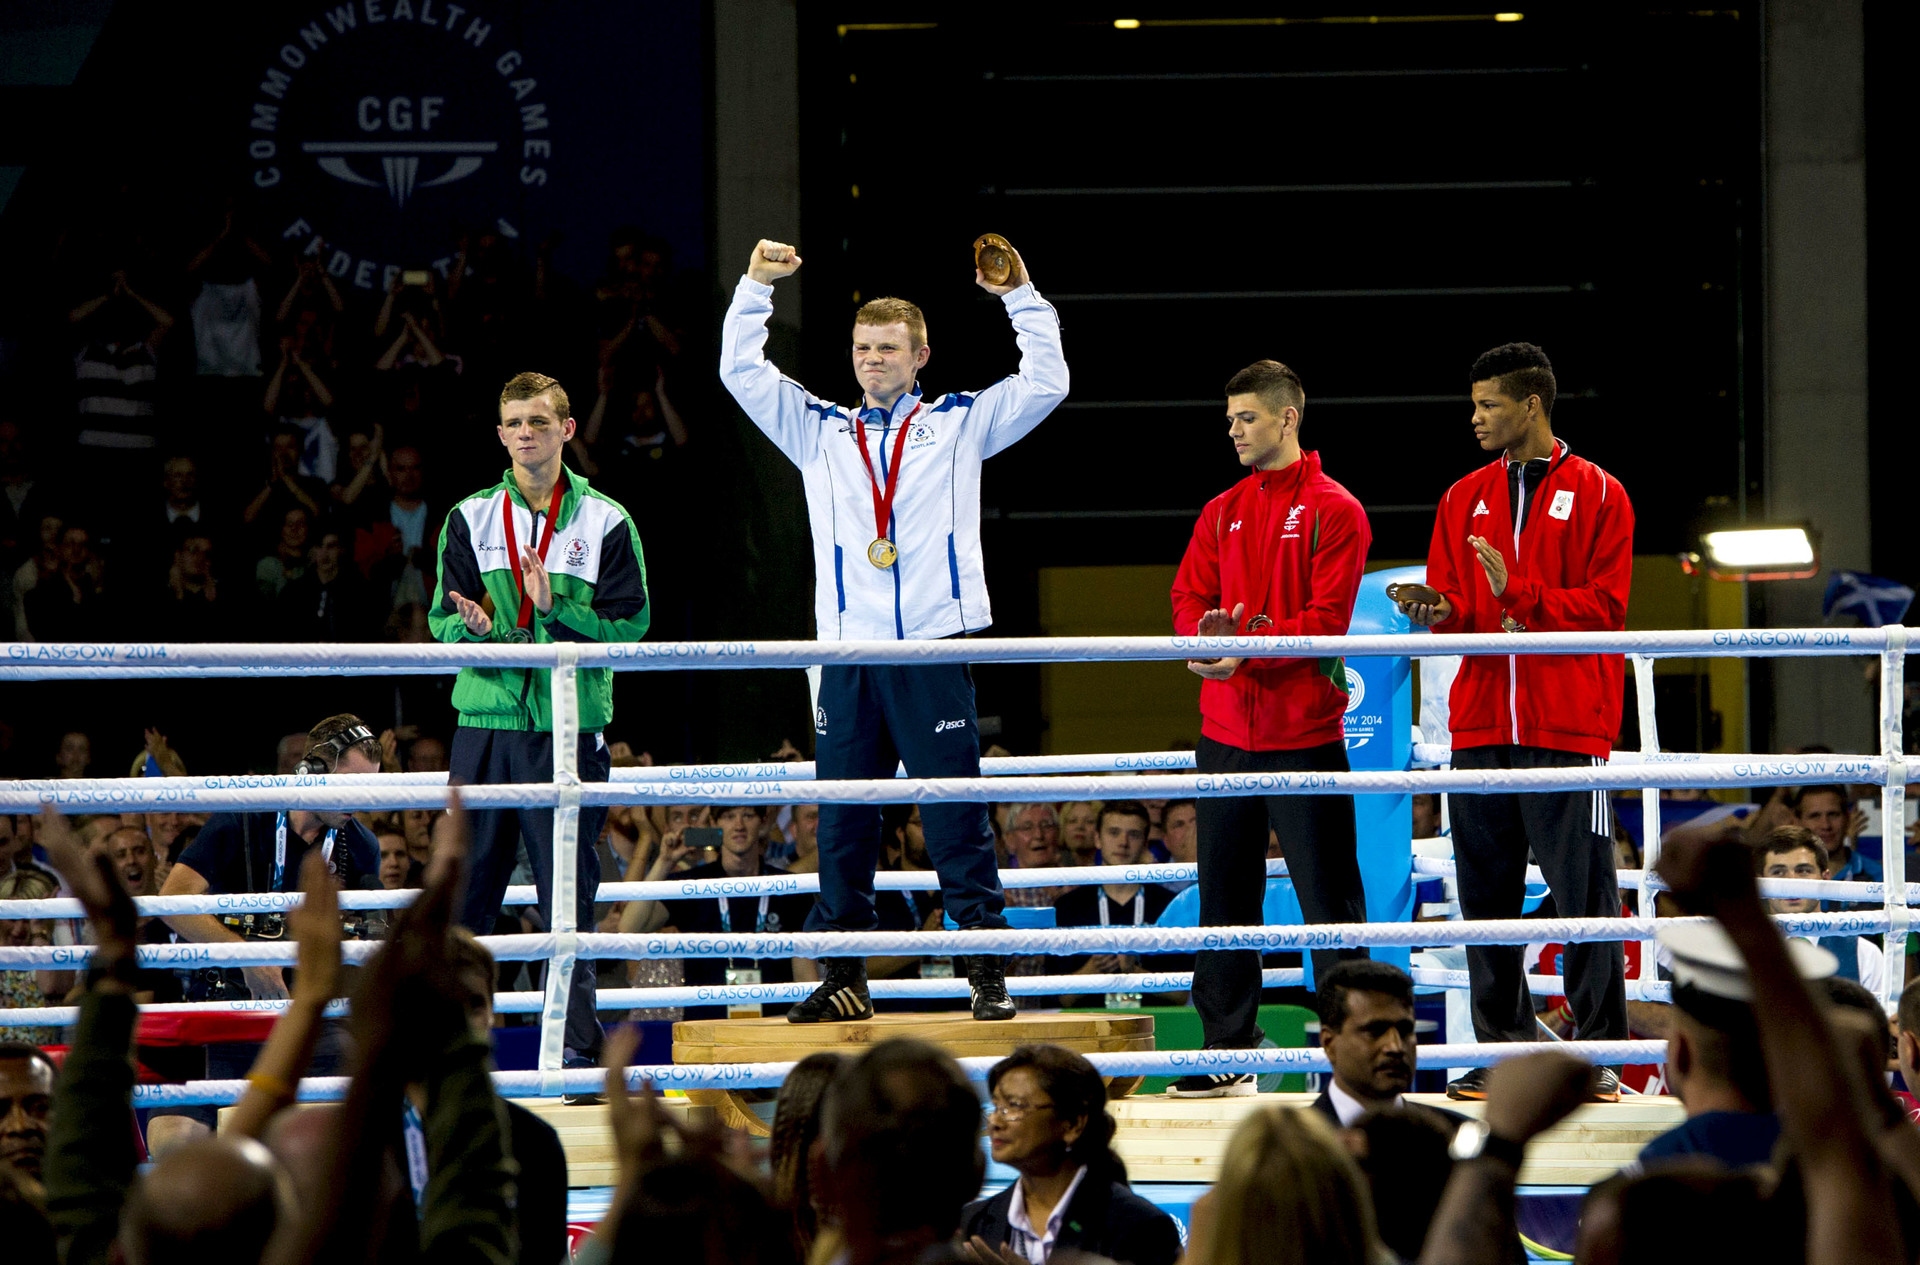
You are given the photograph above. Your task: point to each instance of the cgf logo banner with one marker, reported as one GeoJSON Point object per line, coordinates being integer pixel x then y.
{"type": "Point", "coordinates": [378, 124]}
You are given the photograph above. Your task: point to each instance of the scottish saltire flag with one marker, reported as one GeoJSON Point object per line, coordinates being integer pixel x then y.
{"type": "Point", "coordinates": [1873, 599]}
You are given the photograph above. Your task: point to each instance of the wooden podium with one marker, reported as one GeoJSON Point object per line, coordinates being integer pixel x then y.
{"type": "Point", "coordinates": [777, 1041]}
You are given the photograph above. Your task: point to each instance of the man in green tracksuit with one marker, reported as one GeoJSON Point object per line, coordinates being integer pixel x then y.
{"type": "Point", "coordinates": [538, 557]}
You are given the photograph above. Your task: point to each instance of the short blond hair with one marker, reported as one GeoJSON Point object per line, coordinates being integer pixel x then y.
{"type": "Point", "coordinates": [890, 311]}
{"type": "Point", "coordinates": [531, 386]}
{"type": "Point", "coordinates": [1289, 1194]}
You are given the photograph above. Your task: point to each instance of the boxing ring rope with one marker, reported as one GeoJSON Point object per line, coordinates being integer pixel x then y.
{"type": "Point", "coordinates": [1015, 779]}
{"type": "Point", "coordinates": [885, 880]}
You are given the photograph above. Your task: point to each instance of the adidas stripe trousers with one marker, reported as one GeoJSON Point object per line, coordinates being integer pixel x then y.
{"type": "Point", "coordinates": [870, 719]}
{"type": "Point", "coordinates": [1570, 834]}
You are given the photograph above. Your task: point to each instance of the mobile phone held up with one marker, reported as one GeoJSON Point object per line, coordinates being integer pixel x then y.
{"type": "Point", "coordinates": [704, 840]}
{"type": "Point", "coordinates": [416, 277]}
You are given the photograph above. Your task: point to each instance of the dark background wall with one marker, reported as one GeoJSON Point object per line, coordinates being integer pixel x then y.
{"type": "Point", "coordinates": [1374, 203]}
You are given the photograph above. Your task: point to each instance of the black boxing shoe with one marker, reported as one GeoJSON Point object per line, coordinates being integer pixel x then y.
{"type": "Point", "coordinates": [842, 995]}
{"type": "Point", "coordinates": [1214, 1085]}
{"type": "Point", "coordinates": [987, 979]}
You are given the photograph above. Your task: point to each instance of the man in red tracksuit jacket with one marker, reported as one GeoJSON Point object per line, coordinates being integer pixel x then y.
{"type": "Point", "coordinates": [1279, 554]}
{"type": "Point", "coordinates": [1538, 541]}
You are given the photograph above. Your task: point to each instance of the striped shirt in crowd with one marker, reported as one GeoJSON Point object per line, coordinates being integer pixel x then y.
{"type": "Point", "coordinates": [116, 384]}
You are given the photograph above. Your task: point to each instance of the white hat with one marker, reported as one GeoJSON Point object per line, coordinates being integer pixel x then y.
{"type": "Point", "coordinates": [1705, 957]}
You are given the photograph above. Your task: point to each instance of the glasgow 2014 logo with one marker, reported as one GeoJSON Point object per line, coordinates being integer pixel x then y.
{"type": "Point", "coordinates": [380, 129]}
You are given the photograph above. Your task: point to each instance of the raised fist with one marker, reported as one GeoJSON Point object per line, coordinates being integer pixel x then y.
{"type": "Point", "coordinates": [772, 261]}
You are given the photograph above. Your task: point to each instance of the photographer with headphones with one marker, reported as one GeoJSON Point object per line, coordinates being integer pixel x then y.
{"type": "Point", "coordinates": [238, 853]}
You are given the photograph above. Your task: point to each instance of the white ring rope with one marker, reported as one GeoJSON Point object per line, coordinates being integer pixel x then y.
{"type": "Point", "coordinates": [884, 881]}
{"type": "Point", "coordinates": [684, 1076]}
{"type": "Point", "coordinates": [375, 792]}
{"type": "Point", "coordinates": [77, 661]}
{"type": "Point", "coordinates": [661, 889]}
{"type": "Point", "coordinates": [1012, 780]}
{"type": "Point", "coordinates": [917, 989]}
{"type": "Point", "coordinates": [1057, 941]}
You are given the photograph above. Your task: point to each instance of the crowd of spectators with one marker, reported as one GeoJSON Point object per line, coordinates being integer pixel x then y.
{"type": "Point", "coordinates": [878, 1159]}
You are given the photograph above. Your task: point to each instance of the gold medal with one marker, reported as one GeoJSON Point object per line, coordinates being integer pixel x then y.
{"type": "Point", "coordinates": [882, 554]}
{"type": "Point", "coordinates": [1509, 624]}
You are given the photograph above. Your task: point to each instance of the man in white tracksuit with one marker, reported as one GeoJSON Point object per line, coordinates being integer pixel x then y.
{"type": "Point", "coordinates": [893, 495]}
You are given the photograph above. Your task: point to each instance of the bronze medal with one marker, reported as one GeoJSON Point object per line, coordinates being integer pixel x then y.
{"type": "Point", "coordinates": [993, 256]}
{"type": "Point", "coordinates": [1409, 594]}
{"type": "Point", "coordinates": [881, 553]}
{"type": "Point", "coordinates": [1259, 623]}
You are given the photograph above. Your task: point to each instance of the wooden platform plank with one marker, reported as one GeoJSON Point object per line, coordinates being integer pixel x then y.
{"type": "Point", "coordinates": [774, 1040]}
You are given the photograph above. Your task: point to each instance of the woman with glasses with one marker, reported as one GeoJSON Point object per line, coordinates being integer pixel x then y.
{"type": "Point", "coordinates": [1049, 1121]}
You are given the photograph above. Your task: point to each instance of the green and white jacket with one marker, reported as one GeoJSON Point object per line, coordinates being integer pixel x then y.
{"type": "Point", "coordinates": [599, 583]}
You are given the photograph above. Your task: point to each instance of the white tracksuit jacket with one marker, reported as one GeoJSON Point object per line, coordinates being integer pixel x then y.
{"type": "Point", "coordinates": [939, 586]}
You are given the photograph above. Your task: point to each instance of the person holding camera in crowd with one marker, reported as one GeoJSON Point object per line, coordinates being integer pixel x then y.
{"type": "Point", "coordinates": [239, 853]}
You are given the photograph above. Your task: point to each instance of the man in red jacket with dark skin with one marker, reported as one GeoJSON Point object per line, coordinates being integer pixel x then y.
{"type": "Point", "coordinates": [1278, 554]}
{"type": "Point", "coordinates": [1537, 541]}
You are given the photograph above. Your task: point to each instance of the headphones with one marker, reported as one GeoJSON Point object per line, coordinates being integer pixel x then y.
{"type": "Point", "coordinates": [325, 757]}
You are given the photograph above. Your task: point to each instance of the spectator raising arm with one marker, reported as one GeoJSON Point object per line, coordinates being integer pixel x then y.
{"type": "Point", "coordinates": [1526, 1096]}
{"type": "Point", "coordinates": [1823, 1112]}
{"type": "Point", "coordinates": [90, 1157]}
{"type": "Point", "coordinates": [410, 1025]}
{"type": "Point", "coordinates": [276, 1073]}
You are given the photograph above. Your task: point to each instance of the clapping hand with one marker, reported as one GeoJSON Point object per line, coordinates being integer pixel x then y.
{"type": "Point", "coordinates": [1491, 562]}
{"type": "Point", "coordinates": [980, 1252]}
{"type": "Point", "coordinates": [478, 622]}
{"type": "Point", "coordinates": [1217, 623]}
{"type": "Point", "coordinates": [534, 581]}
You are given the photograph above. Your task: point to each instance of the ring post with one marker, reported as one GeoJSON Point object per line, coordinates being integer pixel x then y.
{"type": "Point", "coordinates": [1893, 808]}
{"type": "Point", "coordinates": [566, 857]}
{"type": "Point", "coordinates": [1379, 733]}
{"type": "Point", "coordinates": [1649, 799]}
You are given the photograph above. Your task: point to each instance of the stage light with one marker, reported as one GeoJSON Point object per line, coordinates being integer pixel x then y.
{"type": "Point", "coordinates": [1761, 553]}
{"type": "Point", "coordinates": [1126, 24]}
{"type": "Point", "coordinates": [1508, 17]}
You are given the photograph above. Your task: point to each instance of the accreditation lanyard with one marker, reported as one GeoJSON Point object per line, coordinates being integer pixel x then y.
{"type": "Point", "coordinates": [913, 905]}
{"type": "Point", "coordinates": [759, 922]}
{"type": "Point", "coordinates": [545, 539]}
{"type": "Point", "coordinates": [280, 851]}
{"type": "Point", "coordinates": [883, 500]}
{"type": "Point", "coordinates": [1139, 908]}
{"type": "Point", "coordinates": [416, 1136]}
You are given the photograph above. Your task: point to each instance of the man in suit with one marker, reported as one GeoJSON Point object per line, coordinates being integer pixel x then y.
{"type": "Point", "coordinates": [1366, 1029]}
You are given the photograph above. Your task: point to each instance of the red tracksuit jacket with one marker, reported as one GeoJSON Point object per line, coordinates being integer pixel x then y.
{"type": "Point", "coordinates": [1569, 570]}
{"type": "Point", "coordinates": [1291, 544]}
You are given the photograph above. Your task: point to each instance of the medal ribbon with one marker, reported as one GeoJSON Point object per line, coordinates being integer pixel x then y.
{"type": "Point", "coordinates": [1259, 575]}
{"type": "Point", "coordinates": [883, 502]}
{"type": "Point", "coordinates": [545, 540]}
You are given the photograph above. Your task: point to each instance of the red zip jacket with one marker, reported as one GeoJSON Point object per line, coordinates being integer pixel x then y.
{"type": "Point", "coordinates": [1569, 570]}
{"type": "Point", "coordinates": [1291, 544]}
